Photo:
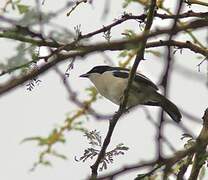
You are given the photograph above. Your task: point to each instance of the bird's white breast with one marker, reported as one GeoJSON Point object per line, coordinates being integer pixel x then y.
{"type": "Point", "coordinates": [109, 86]}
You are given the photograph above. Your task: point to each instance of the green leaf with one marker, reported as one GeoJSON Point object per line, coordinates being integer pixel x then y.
{"type": "Point", "coordinates": [46, 163]}
{"type": "Point", "coordinates": [155, 53]}
{"type": "Point", "coordinates": [41, 141]}
{"type": "Point", "coordinates": [91, 91]}
{"type": "Point", "coordinates": [129, 34]}
{"type": "Point", "coordinates": [59, 155]}
{"type": "Point", "coordinates": [22, 8]}
{"type": "Point", "coordinates": [141, 177]}
{"type": "Point", "coordinates": [126, 3]}
{"type": "Point", "coordinates": [123, 53]}
{"type": "Point", "coordinates": [202, 173]}
{"type": "Point", "coordinates": [31, 139]}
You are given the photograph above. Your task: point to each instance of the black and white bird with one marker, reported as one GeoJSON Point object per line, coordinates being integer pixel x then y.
{"type": "Point", "coordinates": [111, 83]}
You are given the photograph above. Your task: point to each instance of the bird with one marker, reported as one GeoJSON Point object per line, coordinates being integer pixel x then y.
{"type": "Point", "coordinates": [111, 83]}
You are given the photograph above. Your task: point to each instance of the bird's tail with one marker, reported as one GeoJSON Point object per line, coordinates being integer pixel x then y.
{"type": "Point", "coordinates": [169, 107]}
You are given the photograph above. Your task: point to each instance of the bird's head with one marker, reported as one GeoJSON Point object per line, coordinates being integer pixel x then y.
{"type": "Point", "coordinates": [96, 72]}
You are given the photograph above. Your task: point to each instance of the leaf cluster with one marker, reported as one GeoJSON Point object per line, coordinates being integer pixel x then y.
{"type": "Point", "coordinates": [95, 141]}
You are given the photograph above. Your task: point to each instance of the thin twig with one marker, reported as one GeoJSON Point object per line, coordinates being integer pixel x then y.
{"type": "Point", "coordinates": [75, 6]}
{"type": "Point", "coordinates": [200, 156]}
{"type": "Point", "coordinates": [73, 97]}
{"type": "Point", "coordinates": [58, 58]}
{"type": "Point", "coordinates": [202, 3]}
{"type": "Point", "coordinates": [165, 80]}
{"type": "Point", "coordinates": [202, 141]}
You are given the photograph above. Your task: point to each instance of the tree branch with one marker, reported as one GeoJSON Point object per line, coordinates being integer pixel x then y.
{"type": "Point", "coordinates": [165, 81]}
{"type": "Point", "coordinates": [190, 2]}
{"type": "Point", "coordinates": [200, 156]}
{"type": "Point", "coordinates": [162, 162]}
{"type": "Point", "coordinates": [9, 34]}
{"type": "Point", "coordinates": [106, 46]}
{"type": "Point", "coordinates": [199, 146]}
{"type": "Point", "coordinates": [122, 106]}
{"type": "Point", "coordinates": [114, 45]}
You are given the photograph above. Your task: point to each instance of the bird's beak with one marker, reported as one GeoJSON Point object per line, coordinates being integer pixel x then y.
{"type": "Point", "coordinates": [84, 75]}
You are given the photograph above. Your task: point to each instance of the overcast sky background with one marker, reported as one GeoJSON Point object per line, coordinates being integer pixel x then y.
{"type": "Point", "coordinates": [25, 114]}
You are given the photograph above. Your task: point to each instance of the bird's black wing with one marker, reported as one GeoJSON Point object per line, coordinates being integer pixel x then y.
{"type": "Point", "coordinates": [139, 78]}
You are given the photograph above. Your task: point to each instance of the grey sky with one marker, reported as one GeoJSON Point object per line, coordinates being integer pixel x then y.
{"type": "Point", "coordinates": [25, 114]}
